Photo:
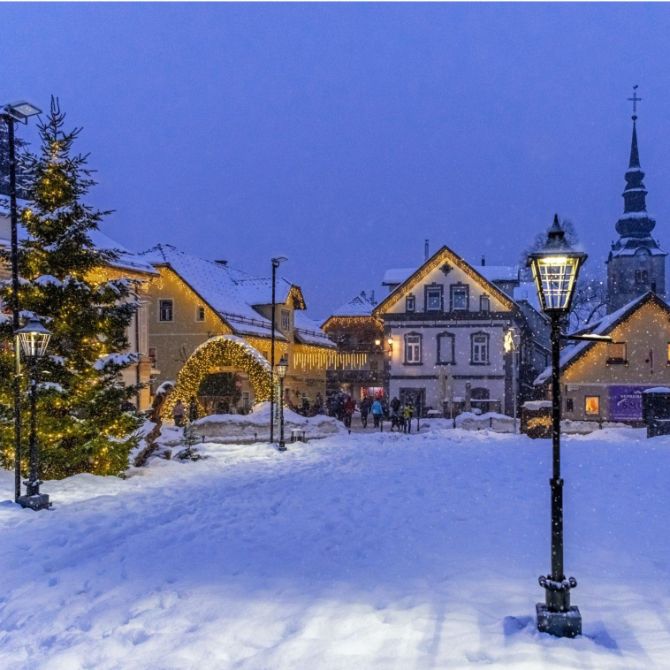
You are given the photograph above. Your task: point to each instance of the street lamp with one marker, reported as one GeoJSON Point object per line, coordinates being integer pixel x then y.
{"type": "Point", "coordinates": [33, 339]}
{"type": "Point", "coordinates": [555, 268]}
{"type": "Point", "coordinates": [276, 262]}
{"type": "Point", "coordinates": [282, 367]}
{"type": "Point", "coordinates": [18, 111]}
{"type": "Point", "coordinates": [511, 346]}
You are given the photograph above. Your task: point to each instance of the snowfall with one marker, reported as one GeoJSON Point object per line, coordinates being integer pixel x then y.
{"type": "Point", "coordinates": [368, 551]}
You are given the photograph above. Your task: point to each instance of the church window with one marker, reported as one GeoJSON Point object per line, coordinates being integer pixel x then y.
{"type": "Point", "coordinates": [410, 303]}
{"type": "Point", "coordinates": [412, 349]}
{"type": "Point", "coordinates": [592, 405]}
{"type": "Point", "coordinates": [459, 297]}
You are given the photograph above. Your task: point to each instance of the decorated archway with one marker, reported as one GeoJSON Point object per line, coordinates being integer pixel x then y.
{"type": "Point", "coordinates": [212, 355]}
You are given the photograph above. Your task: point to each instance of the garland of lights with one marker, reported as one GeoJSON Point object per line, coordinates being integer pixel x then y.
{"type": "Point", "coordinates": [217, 351]}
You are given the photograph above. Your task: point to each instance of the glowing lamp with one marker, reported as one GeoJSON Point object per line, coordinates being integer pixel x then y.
{"type": "Point", "coordinates": [555, 268]}
{"type": "Point", "coordinates": [34, 339]}
{"type": "Point", "coordinates": [282, 367]}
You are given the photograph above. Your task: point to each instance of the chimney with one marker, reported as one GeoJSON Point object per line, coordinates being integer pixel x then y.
{"type": "Point", "coordinates": [220, 261]}
{"type": "Point", "coordinates": [426, 249]}
{"type": "Point", "coordinates": [372, 297]}
{"type": "Point", "coordinates": [483, 260]}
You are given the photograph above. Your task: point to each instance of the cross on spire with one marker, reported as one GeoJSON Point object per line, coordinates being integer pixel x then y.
{"type": "Point", "coordinates": [635, 100]}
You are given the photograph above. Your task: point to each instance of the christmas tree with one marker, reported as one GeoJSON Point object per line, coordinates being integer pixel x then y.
{"type": "Point", "coordinates": [81, 425]}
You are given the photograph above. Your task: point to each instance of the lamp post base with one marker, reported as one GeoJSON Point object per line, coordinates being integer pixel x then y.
{"type": "Point", "coordinates": [281, 446]}
{"type": "Point", "coordinates": [559, 624]}
{"type": "Point", "coordinates": [37, 502]}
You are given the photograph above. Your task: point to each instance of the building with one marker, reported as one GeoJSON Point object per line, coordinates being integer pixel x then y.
{"type": "Point", "coordinates": [359, 369]}
{"type": "Point", "coordinates": [604, 380]}
{"type": "Point", "coordinates": [445, 326]}
{"type": "Point", "coordinates": [636, 263]}
{"type": "Point", "coordinates": [195, 300]}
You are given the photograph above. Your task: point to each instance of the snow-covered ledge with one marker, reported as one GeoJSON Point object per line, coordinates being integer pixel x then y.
{"type": "Point", "coordinates": [256, 426]}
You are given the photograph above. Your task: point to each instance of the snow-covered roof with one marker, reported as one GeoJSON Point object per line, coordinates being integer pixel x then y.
{"type": "Point", "coordinates": [397, 276]}
{"type": "Point", "coordinates": [494, 273]}
{"type": "Point", "coordinates": [360, 305]}
{"type": "Point", "coordinates": [629, 246]}
{"type": "Point", "coordinates": [126, 260]}
{"type": "Point", "coordinates": [309, 331]}
{"type": "Point", "coordinates": [224, 289]}
{"type": "Point", "coordinates": [598, 327]}
{"type": "Point", "coordinates": [233, 293]}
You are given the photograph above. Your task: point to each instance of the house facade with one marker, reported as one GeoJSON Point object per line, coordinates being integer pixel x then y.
{"type": "Point", "coordinates": [446, 334]}
{"type": "Point", "coordinates": [194, 300]}
{"type": "Point", "coordinates": [604, 381]}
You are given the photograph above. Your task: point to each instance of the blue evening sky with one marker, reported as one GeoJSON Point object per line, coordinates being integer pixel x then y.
{"type": "Point", "coordinates": [342, 135]}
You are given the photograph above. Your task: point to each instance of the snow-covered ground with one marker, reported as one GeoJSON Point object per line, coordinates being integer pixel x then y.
{"type": "Point", "coordinates": [364, 551]}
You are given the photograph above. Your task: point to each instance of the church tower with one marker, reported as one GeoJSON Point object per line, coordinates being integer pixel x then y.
{"type": "Point", "coordinates": [636, 263]}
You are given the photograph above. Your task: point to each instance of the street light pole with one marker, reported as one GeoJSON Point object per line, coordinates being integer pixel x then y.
{"type": "Point", "coordinates": [282, 367]}
{"type": "Point", "coordinates": [34, 339]}
{"type": "Point", "coordinates": [555, 269]}
{"type": "Point", "coordinates": [276, 262]}
{"type": "Point", "coordinates": [11, 113]}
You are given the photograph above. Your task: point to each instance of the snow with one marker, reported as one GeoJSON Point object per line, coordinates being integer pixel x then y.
{"type": "Point", "coordinates": [370, 551]}
{"type": "Point", "coordinates": [657, 389]}
{"type": "Point", "coordinates": [494, 273]}
{"type": "Point", "coordinates": [360, 305]}
{"type": "Point", "coordinates": [116, 360]}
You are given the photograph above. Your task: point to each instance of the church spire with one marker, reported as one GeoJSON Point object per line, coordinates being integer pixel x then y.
{"type": "Point", "coordinates": [635, 221]}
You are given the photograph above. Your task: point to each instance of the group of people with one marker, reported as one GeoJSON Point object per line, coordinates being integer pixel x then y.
{"type": "Point", "coordinates": [344, 406]}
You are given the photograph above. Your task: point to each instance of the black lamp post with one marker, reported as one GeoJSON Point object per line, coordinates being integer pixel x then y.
{"type": "Point", "coordinates": [18, 111]}
{"type": "Point", "coordinates": [282, 367]}
{"type": "Point", "coordinates": [276, 262]}
{"type": "Point", "coordinates": [34, 339]}
{"type": "Point", "coordinates": [555, 268]}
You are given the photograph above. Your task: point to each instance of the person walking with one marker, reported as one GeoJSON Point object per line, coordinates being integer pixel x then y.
{"type": "Point", "coordinates": [365, 410]}
{"type": "Point", "coordinates": [377, 413]}
{"type": "Point", "coordinates": [178, 413]}
{"type": "Point", "coordinates": [349, 407]}
{"type": "Point", "coordinates": [407, 413]}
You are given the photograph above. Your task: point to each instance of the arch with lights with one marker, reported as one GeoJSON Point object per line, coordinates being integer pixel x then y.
{"type": "Point", "coordinates": [222, 350]}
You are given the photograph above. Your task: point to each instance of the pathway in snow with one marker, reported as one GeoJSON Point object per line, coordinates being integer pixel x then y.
{"type": "Point", "coordinates": [369, 551]}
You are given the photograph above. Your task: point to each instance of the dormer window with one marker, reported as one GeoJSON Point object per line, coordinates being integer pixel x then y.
{"type": "Point", "coordinates": [410, 303]}
{"type": "Point", "coordinates": [434, 298]}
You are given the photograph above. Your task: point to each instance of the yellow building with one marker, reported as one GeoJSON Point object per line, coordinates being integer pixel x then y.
{"type": "Point", "coordinates": [195, 300]}
{"type": "Point", "coordinates": [605, 380]}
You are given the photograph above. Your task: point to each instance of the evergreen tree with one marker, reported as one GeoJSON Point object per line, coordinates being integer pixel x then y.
{"type": "Point", "coordinates": [81, 427]}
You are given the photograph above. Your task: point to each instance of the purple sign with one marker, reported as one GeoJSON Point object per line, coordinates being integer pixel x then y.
{"type": "Point", "coordinates": [625, 403]}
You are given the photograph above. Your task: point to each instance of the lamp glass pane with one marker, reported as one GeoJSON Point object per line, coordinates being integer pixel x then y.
{"type": "Point", "coordinates": [555, 278]}
{"type": "Point", "coordinates": [34, 344]}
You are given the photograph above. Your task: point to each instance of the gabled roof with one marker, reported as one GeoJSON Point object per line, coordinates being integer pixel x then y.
{"type": "Point", "coordinates": [308, 331]}
{"type": "Point", "coordinates": [604, 326]}
{"type": "Point", "coordinates": [360, 305]}
{"type": "Point", "coordinates": [258, 291]}
{"type": "Point", "coordinates": [441, 256]}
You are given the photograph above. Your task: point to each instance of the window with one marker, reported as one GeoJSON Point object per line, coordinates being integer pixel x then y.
{"type": "Point", "coordinates": [199, 313]}
{"type": "Point", "coordinates": [616, 352]}
{"type": "Point", "coordinates": [413, 349]}
{"type": "Point", "coordinates": [459, 297]}
{"type": "Point", "coordinates": [165, 310]}
{"type": "Point", "coordinates": [433, 298]}
{"type": "Point", "coordinates": [445, 349]}
{"type": "Point", "coordinates": [152, 356]}
{"type": "Point", "coordinates": [479, 349]}
{"type": "Point", "coordinates": [592, 405]}
{"type": "Point", "coordinates": [410, 303]}
{"type": "Point", "coordinates": [569, 405]}
{"type": "Point", "coordinates": [484, 303]}
{"type": "Point", "coordinates": [667, 353]}
{"type": "Point", "coordinates": [285, 320]}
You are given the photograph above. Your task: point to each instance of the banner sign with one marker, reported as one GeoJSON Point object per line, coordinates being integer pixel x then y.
{"type": "Point", "coordinates": [625, 403]}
